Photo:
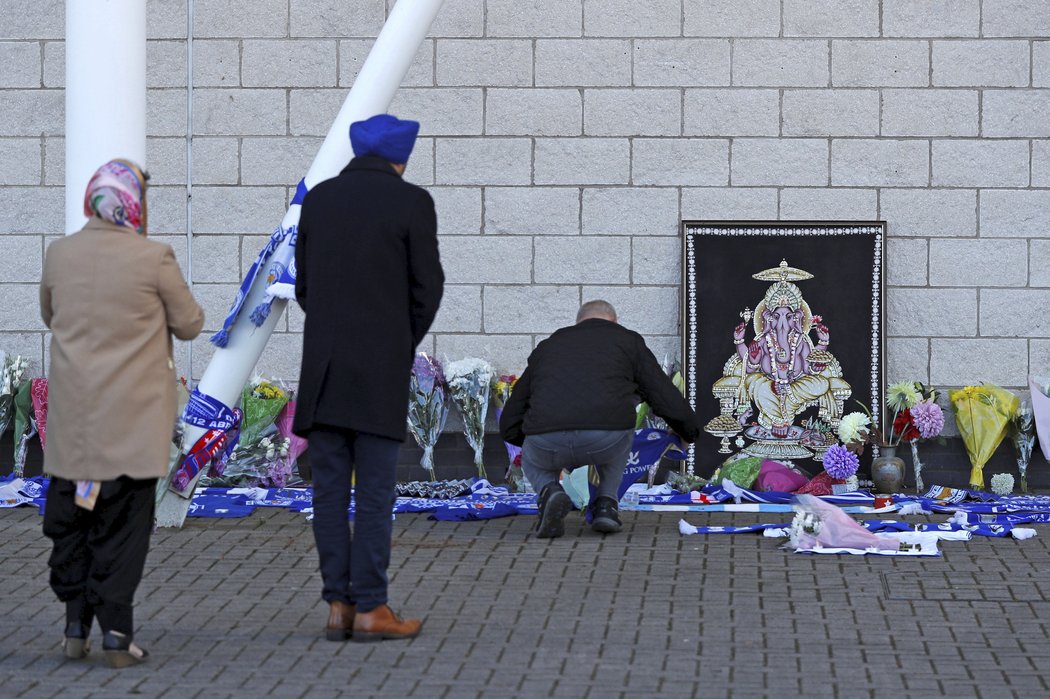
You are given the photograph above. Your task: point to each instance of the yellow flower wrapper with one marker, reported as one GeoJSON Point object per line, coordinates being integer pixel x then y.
{"type": "Point", "coordinates": [983, 415]}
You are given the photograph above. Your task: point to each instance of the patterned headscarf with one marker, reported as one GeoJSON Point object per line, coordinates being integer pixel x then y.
{"type": "Point", "coordinates": [117, 193]}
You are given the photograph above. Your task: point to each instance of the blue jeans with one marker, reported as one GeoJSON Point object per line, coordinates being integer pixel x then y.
{"type": "Point", "coordinates": [353, 566]}
{"type": "Point", "coordinates": [545, 455]}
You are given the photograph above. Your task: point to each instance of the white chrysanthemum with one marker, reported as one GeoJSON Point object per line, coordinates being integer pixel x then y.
{"type": "Point", "coordinates": [1002, 484]}
{"type": "Point", "coordinates": [851, 426]}
{"type": "Point", "coordinates": [903, 395]}
{"type": "Point", "coordinates": [852, 483]}
{"type": "Point", "coordinates": [468, 367]}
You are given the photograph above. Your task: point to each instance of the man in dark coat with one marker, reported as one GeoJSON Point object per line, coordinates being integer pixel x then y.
{"type": "Point", "coordinates": [575, 404]}
{"type": "Point", "coordinates": [369, 279]}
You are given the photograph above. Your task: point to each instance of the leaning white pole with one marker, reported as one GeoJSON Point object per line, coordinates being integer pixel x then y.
{"type": "Point", "coordinates": [105, 111]}
{"type": "Point", "coordinates": [372, 92]}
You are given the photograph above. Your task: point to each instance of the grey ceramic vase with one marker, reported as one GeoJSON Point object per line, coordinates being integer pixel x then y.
{"type": "Point", "coordinates": [887, 471]}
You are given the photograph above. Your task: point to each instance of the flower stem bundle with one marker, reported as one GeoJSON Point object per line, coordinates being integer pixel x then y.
{"type": "Point", "coordinates": [427, 407]}
{"type": "Point", "coordinates": [468, 383]}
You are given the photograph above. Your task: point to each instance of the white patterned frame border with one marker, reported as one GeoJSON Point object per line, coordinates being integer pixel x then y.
{"type": "Point", "coordinates": [782, 228]}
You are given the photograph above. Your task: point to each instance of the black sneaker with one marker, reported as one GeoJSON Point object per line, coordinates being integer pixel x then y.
{"type": "Point", "coordinates": [554, 504]}
{"type": "Point", "coordinates": [605, 515]}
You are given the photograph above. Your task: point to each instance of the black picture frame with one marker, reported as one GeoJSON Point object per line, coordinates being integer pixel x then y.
{"type": "Point", "coordinates": [846, 261]}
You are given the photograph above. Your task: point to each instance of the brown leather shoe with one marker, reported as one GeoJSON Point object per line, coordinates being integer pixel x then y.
{"type": "Point", "coordinates": [340, 621]}
{"type": "Point", "coordinates": [381, 624]}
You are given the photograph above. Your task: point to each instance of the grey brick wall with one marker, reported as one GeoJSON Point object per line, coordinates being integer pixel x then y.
{"type": "Point", "coordinates": [564, 140]}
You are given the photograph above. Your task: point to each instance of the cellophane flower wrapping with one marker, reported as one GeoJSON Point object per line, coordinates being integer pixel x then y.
{"type": "Point", "coordinates": [1040, 387]}
{"type": "Point", "coordinates": [261, 455]}
{"type": "Point", "coordinates": [983, 415]}
{"type": "Point", "coordinates": [261, 401]}
{"type": "Point", "coordinates": [468, 384]}
{"type": "Point", "coordinates": [39, 393]}
{"type": "Point", "coordinates": [25, 426]}
{"type": "Point", "coordinates": [823, 525]}
{"type": "Point", "coordinates": [427, 407]}
{"type": "Point", "coordinates": [288, 470]}
{"type": "Point", "coordinates": [502, 387]}
{"type": "Point", "coordinates": [261, 463]}
{"type": "Point", "coordinates": [12, 376]}
{"type": "Point", "coordinates": [1023, 438]}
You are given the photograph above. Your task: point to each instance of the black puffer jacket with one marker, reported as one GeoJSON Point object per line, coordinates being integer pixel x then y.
{"type": "Point", "coordinates": [591, 376]}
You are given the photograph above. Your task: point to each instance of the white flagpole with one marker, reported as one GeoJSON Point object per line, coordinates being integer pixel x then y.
{"type": "Point", "coordinates": [372, 92]}
{"type": "Point", "coordinates": [105, 92]}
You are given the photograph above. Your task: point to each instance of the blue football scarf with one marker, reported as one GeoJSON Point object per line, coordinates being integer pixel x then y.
{"type": "Point", "coordinates": [279, 270]}
{"type": "Point", "coordinates": [207, 412]}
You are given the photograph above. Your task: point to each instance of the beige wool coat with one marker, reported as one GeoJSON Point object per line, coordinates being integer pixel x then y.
{"type": "Point", "coordinates": [112, 299]}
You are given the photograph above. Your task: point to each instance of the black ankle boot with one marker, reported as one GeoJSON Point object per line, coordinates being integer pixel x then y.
{"type": "Point", "coordinates": [79, 618]}
{"type": "Point", "coordinates": [76, 645]}
{"type": "Point", "coordinates": [120, 651]}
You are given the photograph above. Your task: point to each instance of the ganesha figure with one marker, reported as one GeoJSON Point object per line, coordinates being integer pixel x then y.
{"type": "Point", "coordinates": [780, 374]}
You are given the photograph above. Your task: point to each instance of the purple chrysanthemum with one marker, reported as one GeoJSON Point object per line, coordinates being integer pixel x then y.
{"type": "Point", "coordinates": [928, 418]}
{"type": "Point", "coordinates": [840, 462]}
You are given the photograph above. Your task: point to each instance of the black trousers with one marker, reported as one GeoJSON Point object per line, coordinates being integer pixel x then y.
{"type": "Point", "coordinates": [98, 556]}
{"type": "Point", "coordinates": [353, 566]}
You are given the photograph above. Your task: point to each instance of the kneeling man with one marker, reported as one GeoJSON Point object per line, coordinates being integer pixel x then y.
{"type": "Point", "coordinates": [575, 404]}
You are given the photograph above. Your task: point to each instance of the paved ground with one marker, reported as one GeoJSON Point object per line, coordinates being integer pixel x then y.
{"type": "Point", "coordinates": [230, 608]}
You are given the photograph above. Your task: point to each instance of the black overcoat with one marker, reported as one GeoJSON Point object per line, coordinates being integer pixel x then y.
{"type": "Point", "coordinates": [369, 278]}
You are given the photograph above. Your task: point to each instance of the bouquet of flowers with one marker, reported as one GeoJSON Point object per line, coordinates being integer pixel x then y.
{"type": "Point", "coordinates": [261, 401]}
{"type": "Point", "coordinates": [427, 407]}
{"type": "Point", "coordinates": [263, 462]}
{"type": "Point", "coordinates": [1022, 434]}
{"type": "Point", "coordinates": [983, 415]}
{"type": "Point", "coordinates": [502, 386]}
{"type": "Point", "coordinates": [286, 472]}
{"type": "Point", "coordinates": [1040, 387]}
{"type": "Point", "coordinates": [260, 456]}
{"type": "Point", "coordinates": [25, 426]}
{"type": "Point", "coordinates": [468, 384]}
{"type": "Point", "coordinates": [819, 524]}
{"type": "Point", "coordinates": [12, 375]}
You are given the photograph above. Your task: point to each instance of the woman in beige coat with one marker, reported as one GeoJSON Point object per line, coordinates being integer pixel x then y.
{"type": "Point", "coordinates": [112, 299]}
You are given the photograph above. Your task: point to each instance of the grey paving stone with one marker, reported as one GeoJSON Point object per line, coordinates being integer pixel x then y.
{"type": "Point", "coordinates": [646, 613]}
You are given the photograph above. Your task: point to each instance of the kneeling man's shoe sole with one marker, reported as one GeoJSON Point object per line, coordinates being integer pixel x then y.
{"type": "Point", "coordinates": [605, 525]}
{"type": "Point", "coordinates": [552, 519]}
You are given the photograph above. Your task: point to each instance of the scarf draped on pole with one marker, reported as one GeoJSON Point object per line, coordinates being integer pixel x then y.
{"type": "Point", "coordinates": [278, 261]}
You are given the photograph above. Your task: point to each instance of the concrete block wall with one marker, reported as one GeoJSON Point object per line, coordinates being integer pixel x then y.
{"type": "Point", "coordinates": [564, 141]}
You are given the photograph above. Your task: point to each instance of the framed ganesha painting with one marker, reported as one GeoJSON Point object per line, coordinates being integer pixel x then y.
{"type": "Point", "coordinates": [782, 335]}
